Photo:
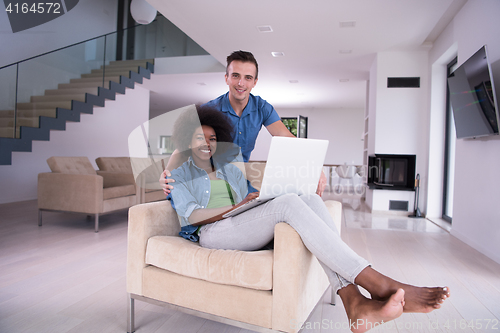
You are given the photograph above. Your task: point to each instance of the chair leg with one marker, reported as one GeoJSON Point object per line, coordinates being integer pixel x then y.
{"type": "Point", "coordinates": [333, 299]}
{"type": "Point", "coordinates": [39, 217]}
{"type": "Point", "coordinates": [97, 222]}
{"type": "Point", "coordinates": [130, 316]}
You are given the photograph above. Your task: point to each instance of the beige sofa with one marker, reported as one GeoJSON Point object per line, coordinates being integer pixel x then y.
{"type": "Point", "coordinates": [74, 186]}
{"type": "Point", "coordinates": [265, 291]}
{"type": "Point", "coordinates": [142, 173]}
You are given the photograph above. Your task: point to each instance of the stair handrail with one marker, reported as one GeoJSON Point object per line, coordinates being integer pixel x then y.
{"type": "Point", "coordinates": [74, 44]}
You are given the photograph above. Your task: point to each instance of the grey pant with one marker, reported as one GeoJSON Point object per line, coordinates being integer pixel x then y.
{"type": "Point", "coordinates": [308, 215]}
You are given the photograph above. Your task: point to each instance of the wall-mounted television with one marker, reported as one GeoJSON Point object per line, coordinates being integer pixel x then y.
{"type": "Point", "coordinates": [473, 97]}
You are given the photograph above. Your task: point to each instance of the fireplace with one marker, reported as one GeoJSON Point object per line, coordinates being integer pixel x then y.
{"type": "Point", "coordinates": [391, 172]}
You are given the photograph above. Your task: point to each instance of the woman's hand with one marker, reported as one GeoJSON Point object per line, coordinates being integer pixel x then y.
{"type": "Point", "coordinates": [248, 198]}
{"type": "Point", "coordinates": [165, 182]}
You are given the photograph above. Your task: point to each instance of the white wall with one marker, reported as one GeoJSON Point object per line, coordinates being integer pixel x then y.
{"type": "Point", "coordinates": [104, 133]}
{"type": "Point", "coordinates": [88, 19]}
{"type": "Point", "coordinates": [399, 119]}
{"type": "Point", "coordinates": [476, 215]}
{"type": "Point", "coordinates": [342, 127]}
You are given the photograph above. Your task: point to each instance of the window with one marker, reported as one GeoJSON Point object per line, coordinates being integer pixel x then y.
{"type": "Point", "coordinates": [449, 154]}
{"type": "Point", "coordinates": [297, 126]}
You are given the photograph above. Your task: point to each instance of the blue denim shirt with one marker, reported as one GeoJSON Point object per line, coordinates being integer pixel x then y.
{"type": "Point", "coordinates": [192, 187]}
{"type": "Point", "coordinates": [258, 112]}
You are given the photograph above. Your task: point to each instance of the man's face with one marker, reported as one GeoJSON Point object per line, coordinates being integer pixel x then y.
{"type": "Point", "coordinates": [240, 78]}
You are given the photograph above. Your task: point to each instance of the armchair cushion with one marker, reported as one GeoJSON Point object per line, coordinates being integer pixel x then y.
{"type": "Point", "coordinates": [114, 164]}
{"type": "Point", "coordinates": [238, 268]}
{"type": "Point", "coordinates": [118, 191]}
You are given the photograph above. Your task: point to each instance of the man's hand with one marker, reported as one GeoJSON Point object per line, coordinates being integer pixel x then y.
{"type": "Point", "coordinates": [165, 182]}
{"type": "Point", "coordinates": [321, 184]}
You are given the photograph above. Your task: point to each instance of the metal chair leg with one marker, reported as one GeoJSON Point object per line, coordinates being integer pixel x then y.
{"type": "Point", "coordinates": [39, 217]}
{"type": "Point", "coordinates": [130, 316]}
{"type": "Point", "coordinates": [97, 222]}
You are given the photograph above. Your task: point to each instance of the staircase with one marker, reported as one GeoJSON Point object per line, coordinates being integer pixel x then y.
{"type": "Point", "coordinates": [51, 111]}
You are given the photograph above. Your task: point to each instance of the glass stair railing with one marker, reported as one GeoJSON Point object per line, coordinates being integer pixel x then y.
{"type": "Point", "coordinates": [42, 93]}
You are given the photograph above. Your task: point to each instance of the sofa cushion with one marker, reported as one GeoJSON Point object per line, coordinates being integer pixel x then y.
{"type": "Point", "coordinates": [118, 191]}
{"type": "Point", "coordinates": [71, 165]}
{"type": "Point", "coordinates": [238, 268]}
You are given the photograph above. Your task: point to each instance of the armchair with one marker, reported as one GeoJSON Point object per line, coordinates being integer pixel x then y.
{"type": "Point", "coordinates": [140, 172]}
{"type": "Point", "coordinates": [265, 291]}
{"type": "Point", "coordinates": [74, 186]}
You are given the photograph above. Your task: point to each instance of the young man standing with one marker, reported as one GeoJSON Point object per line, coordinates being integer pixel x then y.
{"type": "Point", "coordinates": [247, 112]}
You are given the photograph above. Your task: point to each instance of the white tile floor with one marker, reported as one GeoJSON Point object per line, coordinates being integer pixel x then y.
{"type": "Point", "coordinates": [63, 277]}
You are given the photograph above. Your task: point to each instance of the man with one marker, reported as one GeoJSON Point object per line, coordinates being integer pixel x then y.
{"type": "Point", "coordinates": [247, 112]}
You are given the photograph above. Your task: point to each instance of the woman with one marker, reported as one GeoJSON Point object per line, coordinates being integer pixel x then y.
{"type": "Point", "coordinates": [207, 186]}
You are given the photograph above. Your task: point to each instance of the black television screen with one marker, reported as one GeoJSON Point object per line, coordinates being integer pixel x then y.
{"type": "Point", "coordinates": [473, 99]}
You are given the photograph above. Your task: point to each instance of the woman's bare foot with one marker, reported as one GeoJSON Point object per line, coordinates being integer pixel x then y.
{"type": "Point", "coordinates": [365, 314]}
{"type": "Point", "coordinates": [417, 299]}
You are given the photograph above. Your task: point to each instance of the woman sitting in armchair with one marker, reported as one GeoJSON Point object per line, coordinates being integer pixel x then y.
{"type": "Point", "coordinates": [207, 186]}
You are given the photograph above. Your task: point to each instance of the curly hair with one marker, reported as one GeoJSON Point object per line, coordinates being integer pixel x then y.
{"type": "Point", "coordinates": [189, 121]}
{"type": "Point", "coordinates": [243, 56]}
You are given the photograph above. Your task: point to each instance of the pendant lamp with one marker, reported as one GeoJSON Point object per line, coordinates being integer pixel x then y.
{"type": "Point", "coordinates": [142, 12]}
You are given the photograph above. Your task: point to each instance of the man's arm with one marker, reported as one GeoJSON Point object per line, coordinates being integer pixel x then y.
{"type": "Point", "coordinates": [279, 129]}
{"type": "Point", "coordinates": [175, 161]}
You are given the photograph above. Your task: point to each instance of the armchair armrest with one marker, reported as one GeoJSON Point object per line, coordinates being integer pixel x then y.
{"type": "Point", "coordinates": [112, 179]}
{"type": "Point", "coordinates": [145, 221]}
{"type": "Point", "coordinates": [70, 192]}
{"type": "Point", "coordinates": [299, 281]}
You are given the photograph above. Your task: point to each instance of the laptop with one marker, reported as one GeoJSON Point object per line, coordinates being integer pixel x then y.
{"type": "Point", "coordinates": [293, 166]}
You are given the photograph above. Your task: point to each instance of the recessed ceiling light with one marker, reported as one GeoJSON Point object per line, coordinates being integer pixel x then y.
{"type": "Point", "coordinates": [344, 80]}
{"type": "Point", "coordinates": [345, 51]}
{"type": "Point", "coordinates": [278, 54]}
{"type": "Point", "coordinates": [265, 28]}
{"type": "Point", "coordinates": [294, 81]}
{"type": "Point", "coordinates": [201, 83]}
{"type": "Point", "coordinates": [348, 24]}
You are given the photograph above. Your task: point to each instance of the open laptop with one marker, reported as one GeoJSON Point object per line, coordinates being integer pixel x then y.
{"type": "Point", "coordinates": [293, 166]}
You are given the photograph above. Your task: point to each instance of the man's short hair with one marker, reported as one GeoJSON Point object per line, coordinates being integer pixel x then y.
{"type": "Point", "coordinates": [243, 56]}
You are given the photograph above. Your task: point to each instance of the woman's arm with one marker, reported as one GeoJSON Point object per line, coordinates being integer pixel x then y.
{"type": "Point", "coordinates": [209, 215]}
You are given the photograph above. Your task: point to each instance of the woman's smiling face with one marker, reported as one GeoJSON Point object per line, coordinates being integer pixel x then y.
{"type": "Point", "coordinates": [203, 143]}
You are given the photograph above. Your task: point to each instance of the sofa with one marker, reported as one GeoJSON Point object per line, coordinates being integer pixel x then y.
{"type": "Point", "coordinates": [73, 185]}
{"type": "Point", "coordinates": [264, 291]}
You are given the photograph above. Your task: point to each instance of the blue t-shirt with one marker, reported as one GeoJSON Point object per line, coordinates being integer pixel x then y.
{"type": "Point", "coordinates": [258, 112]}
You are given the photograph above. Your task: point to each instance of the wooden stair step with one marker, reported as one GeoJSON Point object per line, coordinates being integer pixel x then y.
{"type": "Point", "coordinates": [82, 85]}
{"type": "Point", "coordinates": [37, 113]}
{"type": "Point", "coordinates": [44, 105]}
{"type": "Point", "coordinates": [53, 98]}
{"type": "Point", "coordinates": [8, 132]}
{"type": "Point", "coordinates": [72, 91]}
{"type": "Point", "coordinates": [20, 121]}
{"type": "Point", "coordinates": [6, 113]}
{"type": "Point", "coordinates": [139, 62]}
{"type": "Point", "coordinates": [99, 75]}
{"type": "Point", "coordinates": [97, 80]}
{"type": "Point", "coordinates": [112, 70]}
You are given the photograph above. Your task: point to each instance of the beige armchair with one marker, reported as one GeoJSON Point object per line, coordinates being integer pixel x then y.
{"type": "Point", "coordinates": [144, 175]}
{"type": "Point", "coordinates": [74, 186]}
{"type": "Point", "coordinates": [265, 291]}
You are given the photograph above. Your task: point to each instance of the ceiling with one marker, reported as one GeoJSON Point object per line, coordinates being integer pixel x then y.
{"type": "Point", "coordinates": [329, 62]}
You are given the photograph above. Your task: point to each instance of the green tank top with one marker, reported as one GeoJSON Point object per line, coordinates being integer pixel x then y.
{"type": "Point", "coordinates": [220, 194]}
